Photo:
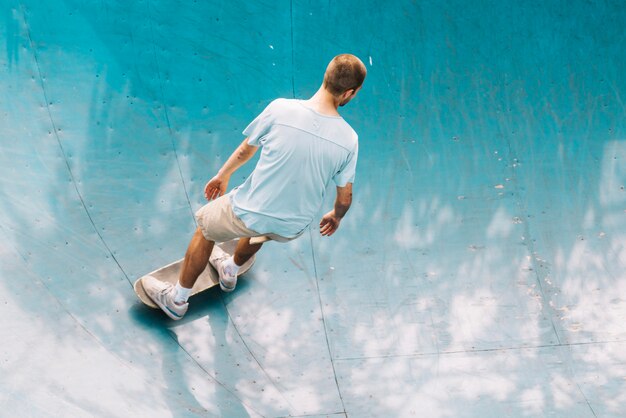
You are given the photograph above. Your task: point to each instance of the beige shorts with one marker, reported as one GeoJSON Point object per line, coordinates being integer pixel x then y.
{"type": "Point", "coordinates": [218, 223]}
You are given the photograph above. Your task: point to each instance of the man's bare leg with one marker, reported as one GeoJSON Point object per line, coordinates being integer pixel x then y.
{"type": "Point", "coordinates": [196, 259]}
{"type": "Point", "coordinates": [173, 299]}
{"type": "Point", "coordinates": [245, 251]}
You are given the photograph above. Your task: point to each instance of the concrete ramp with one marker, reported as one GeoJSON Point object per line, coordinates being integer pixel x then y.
{"type": "Point", "coordinates": [481, 271]}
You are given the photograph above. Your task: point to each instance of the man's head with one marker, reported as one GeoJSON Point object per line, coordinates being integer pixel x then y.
{"type": "Point", "coordinates": [344, 77]}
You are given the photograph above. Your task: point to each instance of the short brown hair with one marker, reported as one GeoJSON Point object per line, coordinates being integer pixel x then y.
{"type": "Point", "coordinates": [345, 72]}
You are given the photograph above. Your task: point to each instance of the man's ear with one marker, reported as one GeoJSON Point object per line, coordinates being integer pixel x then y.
{"type": "Point", "coordinates": [348, 93]}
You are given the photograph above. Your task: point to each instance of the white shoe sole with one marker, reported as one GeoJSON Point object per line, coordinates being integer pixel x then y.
{"type": "Point", "coordinates": [225, 288]}
{"type": "Point", "coordinates": [174, 315]}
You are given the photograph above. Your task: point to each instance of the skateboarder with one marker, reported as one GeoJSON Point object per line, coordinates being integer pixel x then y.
{"type": "Point", "coordinates": [305, 144]}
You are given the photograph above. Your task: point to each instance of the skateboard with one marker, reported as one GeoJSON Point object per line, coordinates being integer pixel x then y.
{"type": "Point", "coordinates": [206, 280]}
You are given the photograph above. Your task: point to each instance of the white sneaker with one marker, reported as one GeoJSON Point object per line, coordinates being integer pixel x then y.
{"type": "Point", "coordinates": [162, 294]}
{"type": "Point", "coordinates": [228, 277]}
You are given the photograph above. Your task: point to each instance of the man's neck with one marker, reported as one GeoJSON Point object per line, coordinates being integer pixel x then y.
{"type": "Point", "coordinates": [323, 102]}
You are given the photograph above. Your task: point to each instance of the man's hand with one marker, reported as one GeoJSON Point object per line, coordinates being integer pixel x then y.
{"type": "Point", "coordinates": [216, 187]}
{"type": "Point", "coordinates": [329, 224]}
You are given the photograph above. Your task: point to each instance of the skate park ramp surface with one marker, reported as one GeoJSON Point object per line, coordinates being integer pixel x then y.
{"type": "Point", "coordinates": [481, 271]}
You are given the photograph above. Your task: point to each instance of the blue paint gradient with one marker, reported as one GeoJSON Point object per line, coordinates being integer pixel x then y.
{"type": "Point", "coordinates": [480, 271]}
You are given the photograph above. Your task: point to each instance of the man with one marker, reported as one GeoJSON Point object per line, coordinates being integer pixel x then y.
{"type": "Point", "coordinates": [305, 144]}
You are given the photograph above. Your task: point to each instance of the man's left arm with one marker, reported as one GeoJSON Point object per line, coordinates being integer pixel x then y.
{"type": "Point", "coordinates": [217, 185]}
{"type": "Point", "coordinates": [330, 222]}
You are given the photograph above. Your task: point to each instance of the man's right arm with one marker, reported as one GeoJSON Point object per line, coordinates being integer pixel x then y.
{"type": "Point", "coordinates": [217, 185]}
{"type": "Point", "coordinates": [330, 222]}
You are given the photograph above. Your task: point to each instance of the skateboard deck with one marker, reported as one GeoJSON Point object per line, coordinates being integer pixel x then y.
{"type": "Point", "coordinates": [206, 280]}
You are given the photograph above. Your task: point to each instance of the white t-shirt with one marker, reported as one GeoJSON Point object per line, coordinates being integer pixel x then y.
{"type": "Point", "coordinates": [302, 151]}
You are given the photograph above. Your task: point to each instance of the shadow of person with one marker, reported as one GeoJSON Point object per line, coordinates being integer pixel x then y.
{"type": "Point", "coordinates": [202, 345]}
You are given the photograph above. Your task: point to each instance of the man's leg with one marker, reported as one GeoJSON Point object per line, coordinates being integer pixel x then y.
{"type": "Point", "coordinates": [228, 266]}
{"type": "Point", "coordinates": [173, 299]}
{"type": "Point", "coordinates": [196, 259]}
{"type": "Point", "coordinates": [245, 251]}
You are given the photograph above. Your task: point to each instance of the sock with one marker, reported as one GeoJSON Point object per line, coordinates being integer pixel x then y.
{"type": "Point", "coordinates": [230, 267]}
{"type": "Point", "coordinates": [182, 294]}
